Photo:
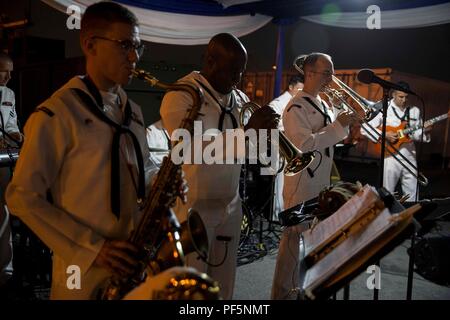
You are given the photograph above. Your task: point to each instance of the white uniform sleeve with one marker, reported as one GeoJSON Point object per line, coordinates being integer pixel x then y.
{"type": "Point", "coordinates": [375, 123]}
{"type": "Point", "coordinates": [11, 125]}
{"type": "Point", "coordinates": [41, 158]}
{"type": "Point", "coordinates": [299, 130]}
{"type": "Point", "coordinates": [417, 135]}
{"type": "Point", "coordinates": [151, 168]}
{"type": "Point", "coordinates": [277, 106]}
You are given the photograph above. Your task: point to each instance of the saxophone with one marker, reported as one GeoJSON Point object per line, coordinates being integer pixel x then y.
{"type": "Point", "coordinates": [162, 241]}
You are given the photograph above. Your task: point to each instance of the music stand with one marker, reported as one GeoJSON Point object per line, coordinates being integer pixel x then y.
{"type": "Point", "coordinates": [266, 206]}
{"type": "Point", "coordinates": [383, 135]}
{"type": "Point", "coordinates": [379, 250]}
{"type": "Point", "coordinates": [270, 220]}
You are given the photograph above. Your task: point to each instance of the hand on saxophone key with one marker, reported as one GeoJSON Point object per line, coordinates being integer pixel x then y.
{"type": "Point", "coordinates": [181, 187]}
{"type": "Point", "coordinates": [117, 256]}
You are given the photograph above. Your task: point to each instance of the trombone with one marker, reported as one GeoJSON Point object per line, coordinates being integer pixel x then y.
{"type": "Point", "coordinates": [364, 111]}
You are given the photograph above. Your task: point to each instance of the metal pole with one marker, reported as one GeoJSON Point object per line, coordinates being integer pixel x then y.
{"type": "Point", "coordinates": [279, 61]}
{"type": "Point", "coordinates": [444, 152]}
{"type": "Point", "coordinates": [383, 149]}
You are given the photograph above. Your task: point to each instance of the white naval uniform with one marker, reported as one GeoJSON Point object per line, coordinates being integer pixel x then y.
{"type": "Point", "coordinates": [304, 127]}
{"type": "Point", "coordinates": [158, 138]}
{"type": "Point", "coordinates": [8, 111]}
{"type": "Point", "coordinates": [393, 170]}
{"type": "Point", "coordinates": [213, 188]}
{"type": "Point", "coordinates": [8, 122]}
{"type": "Point", "coordinates": [278, 105]}
{"type": "Point", "coordinates": [67, 151]}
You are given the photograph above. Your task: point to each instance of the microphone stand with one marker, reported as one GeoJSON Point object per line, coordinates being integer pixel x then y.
{"type": "Point", "coordinates": [383, 150]}
{"type": "Point", "coordinates": [383, 135]}
{"type": "Point", "coordinates": [381, 176]}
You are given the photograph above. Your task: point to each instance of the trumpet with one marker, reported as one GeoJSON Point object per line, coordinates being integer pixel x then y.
{"type": "Point", "coordinates": [295, 160]}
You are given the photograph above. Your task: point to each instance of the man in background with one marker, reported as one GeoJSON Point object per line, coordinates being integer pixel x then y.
{"type": "Point", "coordinates": [279, 104]}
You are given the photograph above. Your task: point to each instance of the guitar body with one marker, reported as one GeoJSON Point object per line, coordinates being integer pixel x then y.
{"type": "Point", "coordinates": [402, 138]}
{"type": "Point", "coordinates": [374, 149]}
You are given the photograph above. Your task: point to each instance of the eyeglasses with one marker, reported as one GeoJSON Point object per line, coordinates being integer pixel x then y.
{"type": "Point", "coordinates": [126, 45]}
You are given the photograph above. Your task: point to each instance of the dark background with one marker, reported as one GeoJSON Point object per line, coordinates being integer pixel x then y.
{"type": "Point", "coordinates": [421, 51]}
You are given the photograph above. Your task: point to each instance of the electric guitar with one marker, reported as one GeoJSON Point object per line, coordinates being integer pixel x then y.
{"type": "Point", "coordinates": [403, 133]}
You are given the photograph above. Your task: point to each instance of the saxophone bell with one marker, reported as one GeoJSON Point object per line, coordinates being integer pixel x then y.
{"type": "Point", "coordinates": [189, 237]}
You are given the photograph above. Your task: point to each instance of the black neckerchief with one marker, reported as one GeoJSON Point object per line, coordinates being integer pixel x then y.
{"type": "Point", "coordinates": [225, 111]}
{"type": "Point", "coordinates": [405, 115]}
{"type": "Point", "coordinates": [169, 145]}
{"type": "Point", "coordinates": [95, 108]}
{"type": "Point", "coordinates": [326, 117]}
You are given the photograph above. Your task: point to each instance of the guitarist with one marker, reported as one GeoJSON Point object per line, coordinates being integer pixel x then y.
{"type": "Point", "coordinates": [397, 114]}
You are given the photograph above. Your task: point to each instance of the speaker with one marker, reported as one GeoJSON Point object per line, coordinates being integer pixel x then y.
{"type": "Point", "coordinates": [432, 258]}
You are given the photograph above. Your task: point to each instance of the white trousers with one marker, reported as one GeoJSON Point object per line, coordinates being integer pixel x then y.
{"type": "Point", "coordinates": [395, 172]}
{"type": "Point", "coordinates": [220, 219]}
{"type": "Point", "coordinates": [286, 277]}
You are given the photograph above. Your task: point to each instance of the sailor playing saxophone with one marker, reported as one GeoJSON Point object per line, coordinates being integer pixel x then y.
{"type": "Point", "coordinates": [85, 162]}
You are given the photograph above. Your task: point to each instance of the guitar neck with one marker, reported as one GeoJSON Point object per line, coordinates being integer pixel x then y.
{"type": "Point", "coordinates": [426, 124]}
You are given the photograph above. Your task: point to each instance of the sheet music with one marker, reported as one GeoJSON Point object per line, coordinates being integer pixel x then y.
{"type": "Point", "coordinates": [357, 248]}
{"type": "Point", "coordinates": [318, 237]}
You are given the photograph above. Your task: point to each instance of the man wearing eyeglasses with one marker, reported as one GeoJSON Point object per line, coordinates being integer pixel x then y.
{"type": "Point", "coordinates": [85, 162]}
{"type": "Point", "coordinates": [310, 124]}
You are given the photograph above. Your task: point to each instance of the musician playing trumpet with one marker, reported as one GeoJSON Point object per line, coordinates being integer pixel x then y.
{"type": "Point", "coordinates": [311, 125]}
{"type": "Point", "coordinates": [397, 114]}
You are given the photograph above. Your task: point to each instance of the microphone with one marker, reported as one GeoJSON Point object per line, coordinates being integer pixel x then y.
{"type": "Point", "coordinates": [367, 76]}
